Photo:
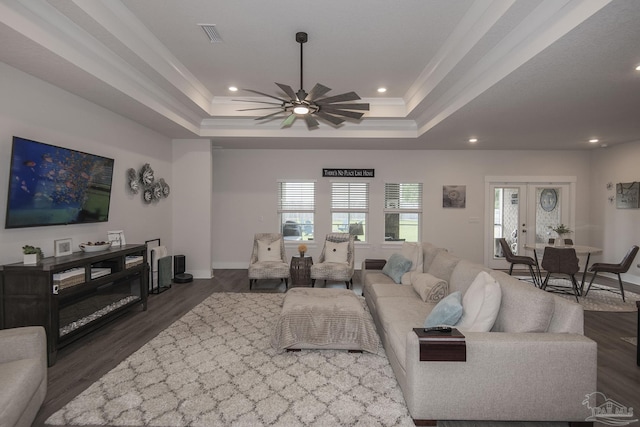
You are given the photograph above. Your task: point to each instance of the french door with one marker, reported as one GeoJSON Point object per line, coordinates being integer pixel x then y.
{"type": "Point", "coordinates": [523, 213]}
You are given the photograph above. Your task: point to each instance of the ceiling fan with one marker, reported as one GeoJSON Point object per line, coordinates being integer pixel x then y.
{"type": "Point", "coordinates": [311, 105]}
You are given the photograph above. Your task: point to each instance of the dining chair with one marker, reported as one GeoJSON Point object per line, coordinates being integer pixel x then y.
{"type": "Point", "coordinates": [622, 267]}
{"type": "Point", "coordinates": [520, 259]}
{"type": "Point", "coordinates": [561, 261]}
{"type": "Point", "coordinates": [566, 241]}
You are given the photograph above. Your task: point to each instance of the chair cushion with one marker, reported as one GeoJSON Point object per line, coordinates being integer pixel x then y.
{"type": "Point", "coordinates": [269, 251]}
{"type": "Point", "coordinates": [336, 251]}
{"type": "Point", "coordinates": [429, 287]}
{"type": "Point", "coordinates": [481, 304]}
{"type": "Point", "coordinates": [396, 266]}
{"type": "Point", "coordinates": [447, 312]}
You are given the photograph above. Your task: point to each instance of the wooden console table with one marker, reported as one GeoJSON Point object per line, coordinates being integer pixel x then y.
{"type": "Point", "coordinates": [75, 294]}
{"type": "Point", "coordinates": [300, 269]}
{"type": "Point", "coordinates": [441, 346]}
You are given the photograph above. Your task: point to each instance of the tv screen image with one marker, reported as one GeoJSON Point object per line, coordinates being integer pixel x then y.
{"type": "Point", "coordinates": [52, 185]}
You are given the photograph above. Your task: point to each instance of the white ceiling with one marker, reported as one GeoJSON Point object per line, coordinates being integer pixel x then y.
{"type": "Point", "coordinates": [516, 74]}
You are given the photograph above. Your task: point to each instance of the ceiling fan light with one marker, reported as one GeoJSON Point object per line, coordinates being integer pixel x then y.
{"type": "Point", "coordinates": [301, 110]}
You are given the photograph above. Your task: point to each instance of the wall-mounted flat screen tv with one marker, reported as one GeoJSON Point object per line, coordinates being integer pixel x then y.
{"type": "Point", "coordinates": [52, 185]}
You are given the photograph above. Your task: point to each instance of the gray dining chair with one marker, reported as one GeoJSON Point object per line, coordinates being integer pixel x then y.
{"type": "Point", "coordinates": [561, 261]}
{"type": "Point", "coordinates": [622, 267]}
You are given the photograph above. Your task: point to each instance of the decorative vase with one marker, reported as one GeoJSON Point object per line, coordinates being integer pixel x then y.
{"type": "Point", "coordinates": [559, 242]}
{"type": "Point", "coordinates": [301, 254]}
{"type": "Point", "coordinates": [30, 259]}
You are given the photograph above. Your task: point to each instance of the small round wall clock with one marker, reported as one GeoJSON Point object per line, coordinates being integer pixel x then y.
{"type": "Point", "coordinates": [548, 199]}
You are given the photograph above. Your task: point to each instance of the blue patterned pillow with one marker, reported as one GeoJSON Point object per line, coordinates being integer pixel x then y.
{"type": "Point", "coordinates": [447, 312]}
{"type": "Point", "coordinates": [396, 266]}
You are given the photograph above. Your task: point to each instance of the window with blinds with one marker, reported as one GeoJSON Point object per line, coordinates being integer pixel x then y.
{"type": "Point", "coordinates": [402, 211]}
{"type": "Point", "coordinates": [349, 208]}
{"type": "Point", "coordinates": [296, 209]}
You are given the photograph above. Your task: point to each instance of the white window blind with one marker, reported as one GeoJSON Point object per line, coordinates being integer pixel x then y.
{"type": "Point", "coordinates": [296, 196]}
{"type": "Point", "coordinates": [349, 196]}
{"type": "Point", "coordinates": [403, 197]}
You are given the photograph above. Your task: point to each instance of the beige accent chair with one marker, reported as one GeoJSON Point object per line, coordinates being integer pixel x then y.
{"type": "Point", "coordinates": [335, 271]}
{"type": "Point", "coordinates": [268, 269]}
{"type": "Point", "coordinates": [23, 374]}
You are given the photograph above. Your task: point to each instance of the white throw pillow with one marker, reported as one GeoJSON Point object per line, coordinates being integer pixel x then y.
{"type": "Point", "coordinates": [269, 251]}
{"type": "Point", "coordinates": [480, 304]}
{"type": "Point", "coordinates": [335, 252]}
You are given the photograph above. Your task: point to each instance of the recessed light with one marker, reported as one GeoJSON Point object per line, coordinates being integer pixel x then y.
{"type": "Point", "coordinates": [473, 140]}
{"type": "Point", "coordinates": [233, 88]}
{"type": "Point", "coordinates": [382, 89]}
{"type": "Point", "coordinates": [638, 68]}
{"type": "Point", "coordinates": [594, 140]}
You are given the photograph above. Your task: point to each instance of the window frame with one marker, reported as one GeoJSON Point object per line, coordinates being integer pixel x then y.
{"type": "Point", "coordinates": [414, 206]}
{"type": "Point", "coordinates": [354, 204]}
{"type": "Point", "coordinates": [305, 204]}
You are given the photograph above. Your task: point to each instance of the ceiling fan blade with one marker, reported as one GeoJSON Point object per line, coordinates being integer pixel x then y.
{"type": "Point", "coordinates": [269, 115]}
{"type": "Point", "coordinates": [287, 89]}
{"type": "Point", "coordinates": [257, 102]}
{"type": "Point", "coordinates": [288, 121]}
{"type": "Point", "coordinates": [344, 113]}
{"type": "Point", "coordinates": [348, 106]}
{"type": "Point", "coordinates": [311, 122]}
{"type": "Point", "coordinates": [260, 108]}
{"type": "Point", "coordinates": [317, 91]}
{"type": "Point", "coordinates": [266, 94]}
{"type": "Point", "coordinates": [334, 120]}
{"type": "Point", "coordinates": [349, 96]}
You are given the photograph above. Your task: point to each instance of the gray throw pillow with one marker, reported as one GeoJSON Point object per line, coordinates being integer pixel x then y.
{"type": "Point", "coordinates": [396, 266]}
{"type": "Point", "coordinates": [447, 312]}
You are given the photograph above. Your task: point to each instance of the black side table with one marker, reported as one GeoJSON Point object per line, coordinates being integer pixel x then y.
{"type": "Point", "coordinates": [300, 269]}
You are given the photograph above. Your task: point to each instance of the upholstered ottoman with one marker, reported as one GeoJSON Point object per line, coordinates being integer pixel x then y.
{"type": "Point", "coordinates": [317, 318]}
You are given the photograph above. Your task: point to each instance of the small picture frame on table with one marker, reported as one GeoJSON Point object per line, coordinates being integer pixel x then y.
{"type": "Point", "coordinates": [62, 247]}
{"type": "Point", "coordinates": [116, 238]}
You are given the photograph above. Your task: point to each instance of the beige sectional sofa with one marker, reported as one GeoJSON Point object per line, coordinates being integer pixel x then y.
{"type": "Point", "coordinates": [23, 374]}
{"type": "Point", "coordinates": [534, 365]}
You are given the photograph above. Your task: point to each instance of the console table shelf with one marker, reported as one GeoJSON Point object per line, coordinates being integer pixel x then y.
{"type": "Point", "coordinates": [73, 295]}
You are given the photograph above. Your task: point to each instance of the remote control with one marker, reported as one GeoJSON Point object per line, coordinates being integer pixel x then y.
{"type": "Point", "coordinates": [438, 329]}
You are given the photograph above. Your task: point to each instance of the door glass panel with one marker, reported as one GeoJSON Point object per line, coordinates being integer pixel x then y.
{"type": "Point", "coordinates": [548, 212]}
{"type": "Point", "coordinates": [506, 214]}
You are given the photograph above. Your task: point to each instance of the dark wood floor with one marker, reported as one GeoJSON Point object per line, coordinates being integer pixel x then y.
{"type": "Point", "coordinates": [86, 360]}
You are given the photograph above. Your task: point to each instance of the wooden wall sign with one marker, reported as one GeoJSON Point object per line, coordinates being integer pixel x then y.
{"type": "Point", "coordinates": [348, 173]}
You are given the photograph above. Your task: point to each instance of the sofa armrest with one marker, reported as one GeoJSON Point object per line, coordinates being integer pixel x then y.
{"type": "Point", "coordinates": [511, 374]}
{"type": "Point", "coordinates": [23, 343]}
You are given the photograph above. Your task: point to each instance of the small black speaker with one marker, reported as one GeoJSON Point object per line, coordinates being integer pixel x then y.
{"type": "Point", "coordinates": [179, 268]}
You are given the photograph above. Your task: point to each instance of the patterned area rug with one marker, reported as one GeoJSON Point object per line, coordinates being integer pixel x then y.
{"type": "Point", "coordinates": [597, 299]}
{"type": "Point", "coordinates": [215, 367]}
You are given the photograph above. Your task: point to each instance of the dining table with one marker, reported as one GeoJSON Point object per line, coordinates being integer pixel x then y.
{"type": "Point", "coordinates": [580, 250]}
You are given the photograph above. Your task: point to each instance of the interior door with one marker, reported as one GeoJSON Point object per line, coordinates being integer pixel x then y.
{"type": "Point", "coordinates": [507, 215]}
{"type": "Point", "coordinates": [523, 214]}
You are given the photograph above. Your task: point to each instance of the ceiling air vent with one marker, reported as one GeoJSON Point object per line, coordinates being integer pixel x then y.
{"type": "Point", "coordinates": [212, 32]}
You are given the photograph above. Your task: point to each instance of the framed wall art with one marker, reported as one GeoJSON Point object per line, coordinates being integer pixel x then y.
{"type": "Point", "coordinates": [627, 195]}
{"type": "Point", "coordinates": [454, 196]}
{"type": "Point", "coordinates": [62, 247]}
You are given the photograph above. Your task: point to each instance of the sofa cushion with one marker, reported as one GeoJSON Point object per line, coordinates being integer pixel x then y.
{"type": "Point", "coordinates": [396, 266]}
{"type": "Point", "coordinates": [336, 251]}
{"type": "Point", "coordinates": [429, 252]}
{"type": "Point", "coordinates": [480, 304]}
{"type": "Point", "coordinates": [429, 287]}
{"type": "Point", "coordinates": [523, 308]}
{"type": "Point", "coordinates": [413, 252]}
{"type": "Point", "coordinates": [463, 275]}
{"type": "Point", "coordinates": [269, 251]}
{"type": "Point", "coordinates": [20, 382]}
{"type": "Point", "coordinates": [443, 265]}
{"type": "Point", "coordinates": [446, 312]}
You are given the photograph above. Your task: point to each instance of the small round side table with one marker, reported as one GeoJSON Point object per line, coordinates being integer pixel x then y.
{"type": "Point", "coordinates": [300, 269]}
